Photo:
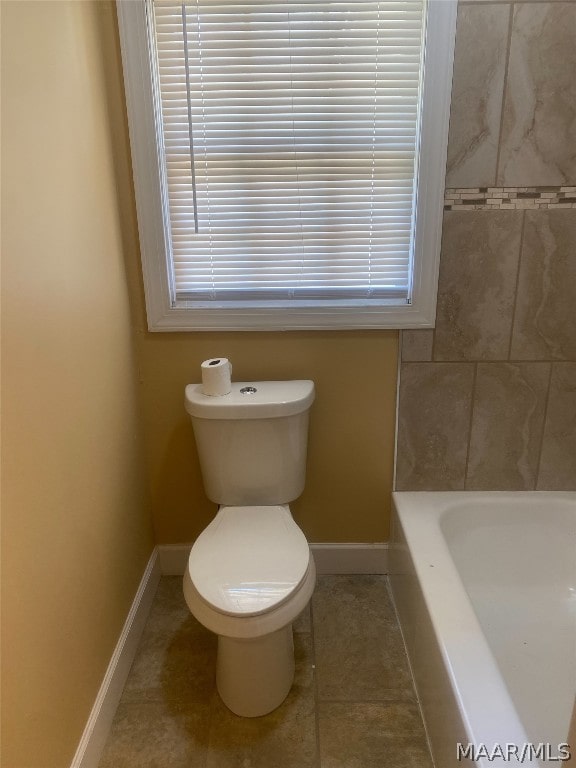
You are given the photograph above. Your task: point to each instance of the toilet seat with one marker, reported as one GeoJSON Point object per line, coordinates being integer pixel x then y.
{"type": "Point", "coordinates": [249, 560]}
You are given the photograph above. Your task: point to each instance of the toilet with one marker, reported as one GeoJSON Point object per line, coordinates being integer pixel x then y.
{"type": "Point", "coordinates": [250, 572]}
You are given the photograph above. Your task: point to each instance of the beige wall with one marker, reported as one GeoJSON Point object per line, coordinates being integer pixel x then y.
{"type": "Point", "coordinates": [76, 527]}
{"type": "Point", "coordinates": [347, 494]}
{"type": "Point", "coordinates": [351, 449]}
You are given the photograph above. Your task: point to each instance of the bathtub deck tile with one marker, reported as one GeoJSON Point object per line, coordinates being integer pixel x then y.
{"type": "Point", "coordinates": [170, 715]}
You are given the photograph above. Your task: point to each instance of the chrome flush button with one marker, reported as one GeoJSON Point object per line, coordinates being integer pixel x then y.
{"type": "Point", "coordinates": [248, 390]}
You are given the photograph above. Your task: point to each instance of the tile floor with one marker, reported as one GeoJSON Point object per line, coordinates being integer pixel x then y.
{"type": "Point", "coordinates": [352, 704]}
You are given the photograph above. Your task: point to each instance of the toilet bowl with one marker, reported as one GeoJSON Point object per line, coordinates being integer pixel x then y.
{"type": "Point", "coordinates": [250, 572]}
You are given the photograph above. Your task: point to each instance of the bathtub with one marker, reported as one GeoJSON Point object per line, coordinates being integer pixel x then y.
{"type": "Point", "coordinates": [484, 585]}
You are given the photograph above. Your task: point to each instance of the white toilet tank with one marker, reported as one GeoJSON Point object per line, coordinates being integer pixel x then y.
{"type": "Point", "coordinates": [252, 442]}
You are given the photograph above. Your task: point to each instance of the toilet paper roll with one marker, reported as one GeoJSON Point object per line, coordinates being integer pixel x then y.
{"type": "Point", "coordinates": [216, 376]}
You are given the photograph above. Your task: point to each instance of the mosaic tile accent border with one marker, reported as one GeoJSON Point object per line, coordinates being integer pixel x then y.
{"type": "Point", "coordinates": [509, 198]}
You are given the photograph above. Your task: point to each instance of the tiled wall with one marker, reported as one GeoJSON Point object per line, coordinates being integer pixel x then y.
{"type": "Point", "coordinates": [488, 399]}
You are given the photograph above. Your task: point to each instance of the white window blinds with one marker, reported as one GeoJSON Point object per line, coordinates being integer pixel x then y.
{"type": "Point", "coordinates": [290, 140]}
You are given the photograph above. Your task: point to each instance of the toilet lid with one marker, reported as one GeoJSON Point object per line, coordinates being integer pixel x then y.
{"type": "Point", "coordinates": [249, 559]}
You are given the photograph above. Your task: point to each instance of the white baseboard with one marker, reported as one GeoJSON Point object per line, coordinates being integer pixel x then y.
{"type": "Point", "coordinates": [329, 558]}
{"type": "Point", "coordinates": [173, 558]}
{"type": "Point", "coordinates": [98, 726]}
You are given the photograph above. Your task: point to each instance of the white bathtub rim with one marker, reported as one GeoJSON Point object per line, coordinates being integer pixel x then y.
{"type": "Point", "coordinates": [488, 713]}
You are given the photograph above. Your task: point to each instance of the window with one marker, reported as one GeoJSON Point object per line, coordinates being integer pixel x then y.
{"type": "Point", "coordinates": [288, 159]}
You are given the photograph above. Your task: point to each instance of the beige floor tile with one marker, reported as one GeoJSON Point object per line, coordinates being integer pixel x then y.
{"type": "Point", "coordinates": [169, 598]}
{"type": "Point", "coordinates": [158, 735]}
{"type": "Point", "coordinates": [304, 622]}
{"type": "Point", "coordinates": [286, 738]}
{"type": "Point", "coordinates": [171, 716]}
{"type": "Point", "coordinates": [176, 661]}
{"type": "Point", "coordinates": [372, 735]}
{"type": "Point", "coordinates": [359, 650]}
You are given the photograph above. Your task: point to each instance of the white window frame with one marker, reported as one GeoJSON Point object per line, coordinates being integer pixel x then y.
{"type": "Point", "coordinates": [152, 219]}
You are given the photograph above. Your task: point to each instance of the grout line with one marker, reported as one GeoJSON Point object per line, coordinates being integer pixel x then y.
{"type": "Point", "coordinates": [414, 701]}
{"type": "Point", "coordinates": [316, 696]}
{"type": "Point", "coordinates": [520, 249]}
{"type": "Point", "coordinates": [546, 408]}
{"type": "Point", "coordinates": [399, 365]}
{"type": "Point", "coordinates": [504, 88]}
{"type": "Point", "coordinates": [433, 347]}
{"type": "Point", "coordinates": [470, 423]}
{"type": "Point", "coordinates": [411, 670]}
{"type": "Point", "coordinates": [392, 700]}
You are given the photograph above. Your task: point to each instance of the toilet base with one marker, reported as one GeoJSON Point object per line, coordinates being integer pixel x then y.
{"type": "Point", "coordinates": [254, 675]}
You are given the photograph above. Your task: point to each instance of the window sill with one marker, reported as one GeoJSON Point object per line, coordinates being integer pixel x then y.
{"type": "Point", "coordinates": [269, 318]}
